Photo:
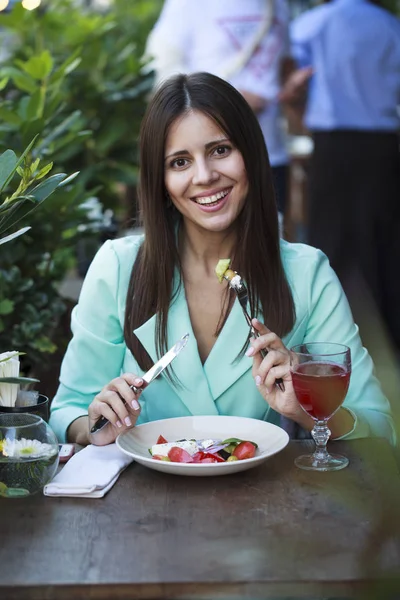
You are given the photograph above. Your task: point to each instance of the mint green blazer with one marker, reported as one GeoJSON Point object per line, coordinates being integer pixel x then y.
{"type": "Point", "coordinates": [223, 385]}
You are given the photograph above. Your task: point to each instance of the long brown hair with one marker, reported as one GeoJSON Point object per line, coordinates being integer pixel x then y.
{"type": "Point", "coordinates": [257, 252]}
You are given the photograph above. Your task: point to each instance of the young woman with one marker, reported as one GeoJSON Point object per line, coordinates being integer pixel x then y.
{"type": "Point", "coordinates": [205, 194]}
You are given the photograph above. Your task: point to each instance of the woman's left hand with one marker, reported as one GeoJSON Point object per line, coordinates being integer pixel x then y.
{"type": "Point", "coordinates": [275, 365]}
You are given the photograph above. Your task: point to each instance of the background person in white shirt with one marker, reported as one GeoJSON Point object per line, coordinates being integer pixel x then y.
{"type": "Point", "coordinates": [352, 111]}
{"type": "Point", "coordinates": [241, 41]}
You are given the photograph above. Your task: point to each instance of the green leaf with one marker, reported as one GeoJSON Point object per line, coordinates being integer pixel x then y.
{"type": "Point", "coordinates": [10, 237]}
{"type": "Point", "coordinates": [69, 65]}
{"type": "Point", "coordinates": [12, 356]}
{"type": "Point", "coordinates": [30, 129]}
{"type": "Point", "coordinates": [10, 219]}
{"type": "Point", "coordinates": [34, 166]}
{"type": "Point", "coordinates": [8, 211]}
{"type": "Point", "coordinates": [43, 172]}
{"type": "Point", "coordinates": [60, 129]}
{"type": "Point", "coordinates": [44, 344]}
{"type": "Point", "coordinates": [21, 158]}
{"type": "Point", "coordinates": [22, 109]}
{"type": "Point", "coordinates": [19, 380]}
{"type": "Point", "coordinates": [38, 67]}
{"type": "Point", "coordinates": [237, 441]}
{"type": "Point", "coordinates": [23, 81]}
{"type": "Point", "coordinates": [11, 205]}
{"type": "Point", "coordinates": [6, 307]}
{"type": "Point", "coordinates": [44, 189]}
{"type": "Point", "coordinates": [3, 82]}
{"type": "Point", "coordinates": [10, 116]}
{"type": "Point", "coordinates": [8, 164]}
{"type": "Point", "coordinates": [68, 179]}
{"type": "Point", "coordinates": [35, 106]}
{"type": "Point", "coordinates": [72, 66]}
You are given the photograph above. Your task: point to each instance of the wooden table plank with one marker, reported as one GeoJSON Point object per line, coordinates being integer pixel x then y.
{"type": "Point", "coordinates": [271, 531]}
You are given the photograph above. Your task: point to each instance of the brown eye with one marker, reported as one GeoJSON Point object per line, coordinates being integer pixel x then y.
{"type": "Point", "coordinates": [222, 150]}
{"type": "Point", "coordinates": [179, 163]}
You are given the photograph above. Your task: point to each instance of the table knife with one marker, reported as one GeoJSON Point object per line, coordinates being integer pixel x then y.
{"type": "Point", "coordinates": [148, 377]}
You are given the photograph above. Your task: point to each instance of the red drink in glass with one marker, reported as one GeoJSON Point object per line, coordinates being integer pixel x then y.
{"type": "Point", "coordinates": [320, 387]}
{"type": "Point", "coordinates": [321, 376]}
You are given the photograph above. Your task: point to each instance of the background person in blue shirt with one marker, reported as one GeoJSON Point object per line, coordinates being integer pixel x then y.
{"type": "Point", "coordinates": [352, 111]}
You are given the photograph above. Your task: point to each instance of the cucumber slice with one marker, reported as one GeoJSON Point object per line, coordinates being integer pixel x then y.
{"type": "Point", "coordinates": [238, 441]}
{"type": "Point", "coordinates": [221, 267]}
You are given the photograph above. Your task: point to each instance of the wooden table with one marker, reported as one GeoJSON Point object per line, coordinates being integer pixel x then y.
{"type": "Point", "coordinates": [274, 531]}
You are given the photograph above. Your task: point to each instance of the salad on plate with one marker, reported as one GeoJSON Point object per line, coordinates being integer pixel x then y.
{"type": "Point", "coordinates": [203, 451]}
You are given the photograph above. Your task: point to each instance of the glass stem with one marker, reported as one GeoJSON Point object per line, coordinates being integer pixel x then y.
{"type": "Point", "coordinates": [321, 434]}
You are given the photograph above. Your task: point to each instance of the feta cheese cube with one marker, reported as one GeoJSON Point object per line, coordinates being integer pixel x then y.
{"type": "Point", "coordinates": [206, 443]}
{"type": "Point", "coordinates": [162, 449]}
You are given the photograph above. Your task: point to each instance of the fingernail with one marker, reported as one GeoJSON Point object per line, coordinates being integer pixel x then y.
{"type": "Point", "coordinates": [135, 405]}
{"type": "Point", "coordinates": [138, 381]}
{"type": "Point", "coordinates": [128, 422]}
{"type": "Point", "coordinates": [119, 424]}
{"type": "Point", "coordinates": [258, 380]}
{"type": "Point", "coordinates": [250, 351]}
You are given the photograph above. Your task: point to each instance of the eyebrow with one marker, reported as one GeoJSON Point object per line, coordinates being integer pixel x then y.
{"type": "Point", "coordinates": [207, 147]}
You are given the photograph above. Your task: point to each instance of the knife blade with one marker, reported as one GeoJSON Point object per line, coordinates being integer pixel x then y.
{"type": "Point", "coordinates": [148, 377]}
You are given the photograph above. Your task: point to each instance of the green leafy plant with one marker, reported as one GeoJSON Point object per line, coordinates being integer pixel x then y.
{"type": "Point", "coordinates": [24, 185]}
{"type": "Point", "coordinates": [29, 193]}
{"type": "Point", "coordinates": [82, 70]}
{"type": "Point", "coordinates": [73, 78]}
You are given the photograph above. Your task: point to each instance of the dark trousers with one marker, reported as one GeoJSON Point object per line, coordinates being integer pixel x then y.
{"type": "Point", "coordinates": [280, 180]}
{"type": "Point", "coordinates": [354, 212]}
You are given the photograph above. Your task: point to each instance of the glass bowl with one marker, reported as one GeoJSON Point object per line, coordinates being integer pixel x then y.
{"type": "Point", "coordinates": [28, 454]}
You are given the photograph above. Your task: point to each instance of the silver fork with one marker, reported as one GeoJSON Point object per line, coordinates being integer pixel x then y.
{"type": "Point", "coordinates": [236, 283]}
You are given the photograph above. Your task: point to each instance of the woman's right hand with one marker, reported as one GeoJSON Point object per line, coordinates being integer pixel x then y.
{"type": "Point", "coordinates": [118, 403]}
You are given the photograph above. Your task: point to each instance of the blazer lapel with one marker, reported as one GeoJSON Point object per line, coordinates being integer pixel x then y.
{"type": "Point", "coordinates": [296, 335]}
{"type": "Point", "coordinates": [194, 390]}
{"type": "Point", "coordinates": [223, 367]}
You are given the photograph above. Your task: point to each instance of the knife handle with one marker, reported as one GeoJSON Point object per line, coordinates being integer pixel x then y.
{"type": "Point", "coordinates": [102, 421]}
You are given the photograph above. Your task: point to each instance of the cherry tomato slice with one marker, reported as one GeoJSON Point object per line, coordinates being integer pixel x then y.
{"type": "Point", "coordinates": [179, 455]}
{"type": "Point", "coordinates": [161, 440]}
{"type": "Point", "coordinates": [201, 456]}
{"type": "Point", "coordinates": [217, 457]}
{"type": "Point", "coordinates": [244, 450]}
{"type": "Point", "coordinates": [197, 457]}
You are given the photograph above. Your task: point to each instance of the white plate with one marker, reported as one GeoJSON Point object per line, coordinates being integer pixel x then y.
{"type": "Point", "coordinates": [137, 441]}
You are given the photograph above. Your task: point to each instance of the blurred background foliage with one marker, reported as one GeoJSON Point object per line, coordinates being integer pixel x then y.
{"type": "Point", "coordinates": [72, 77]}
{"type": "Point", "coordinates": [392, 5]}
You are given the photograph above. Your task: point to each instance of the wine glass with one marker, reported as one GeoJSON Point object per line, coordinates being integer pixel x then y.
{"type": "Point", "coordinates": [321, 376]}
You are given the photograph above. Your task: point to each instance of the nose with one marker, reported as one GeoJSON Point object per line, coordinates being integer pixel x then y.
{"type": "Point", "coordinates": [203, 173]}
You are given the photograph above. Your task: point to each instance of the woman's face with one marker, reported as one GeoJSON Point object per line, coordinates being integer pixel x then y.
{"type": "Point", "coordinates": [205, 174]}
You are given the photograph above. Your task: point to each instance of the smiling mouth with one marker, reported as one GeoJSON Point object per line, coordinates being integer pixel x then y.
{"type": "Point", "coordinates": [210, 200]}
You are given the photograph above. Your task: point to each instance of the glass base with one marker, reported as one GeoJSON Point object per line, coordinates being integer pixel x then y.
{"type": "Point", "coordinates": [331, 462]}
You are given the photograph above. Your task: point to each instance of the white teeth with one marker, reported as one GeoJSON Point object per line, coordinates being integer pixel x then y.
{"type": "Point", "coordinates": [213, 198]}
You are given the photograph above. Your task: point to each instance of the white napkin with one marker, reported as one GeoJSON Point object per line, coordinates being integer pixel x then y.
{"type": "Point", "coordinates": [90, 473]}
